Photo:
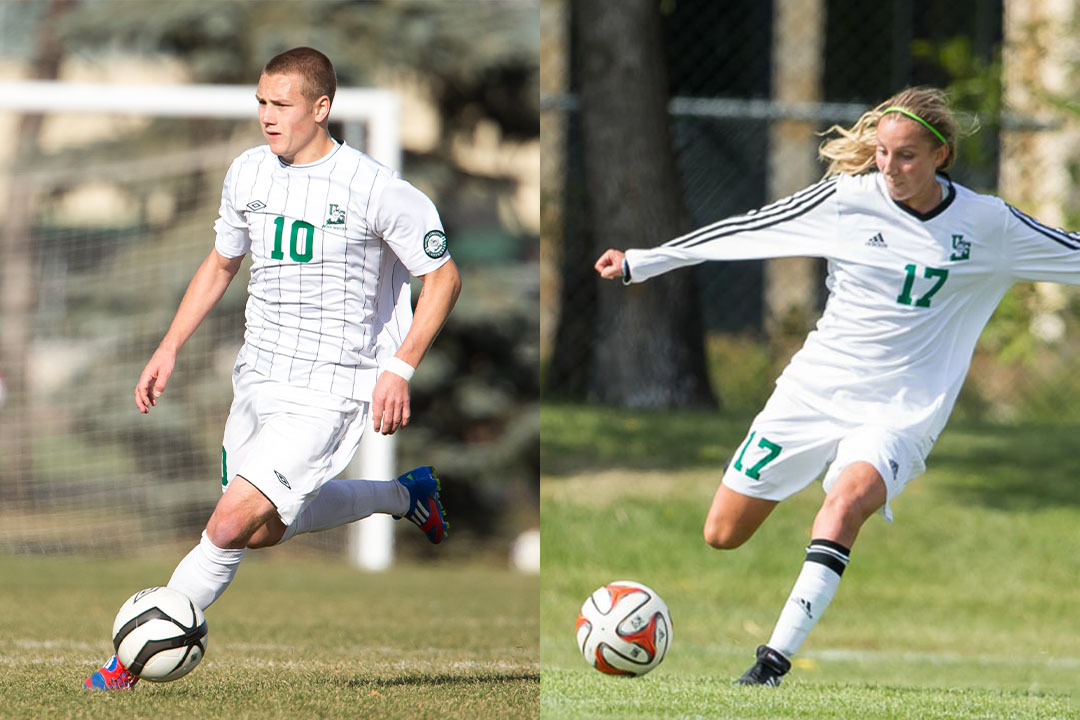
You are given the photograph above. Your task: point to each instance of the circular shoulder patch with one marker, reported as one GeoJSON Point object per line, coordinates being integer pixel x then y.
{"type": "Point", "coordinates": [435, 244]}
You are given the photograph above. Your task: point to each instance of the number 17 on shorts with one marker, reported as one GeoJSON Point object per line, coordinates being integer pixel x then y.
{"type": "Point", "coordinates": [782, 454]}
{"type": "Point", "coordinates": [768, 451]}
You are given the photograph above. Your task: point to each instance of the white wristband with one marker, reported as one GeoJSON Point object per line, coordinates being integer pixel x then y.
{"type": "Point", "coordinates": [400, 368]}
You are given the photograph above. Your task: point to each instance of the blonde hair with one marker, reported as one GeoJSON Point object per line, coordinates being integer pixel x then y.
{"type": "Point", "coordinates": [853, 152]}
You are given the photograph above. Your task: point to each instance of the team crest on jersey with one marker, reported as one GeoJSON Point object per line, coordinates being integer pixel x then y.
{"type": "Point", "coordinates": [335, 216]}
{"type": "Point", "coordinates": [435, 244]}
{"type": "Point", "coordinates": [961, 248]}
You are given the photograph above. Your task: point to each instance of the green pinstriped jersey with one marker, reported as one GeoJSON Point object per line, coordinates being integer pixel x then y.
{"type": "Point", "coordinates": [332, 244]}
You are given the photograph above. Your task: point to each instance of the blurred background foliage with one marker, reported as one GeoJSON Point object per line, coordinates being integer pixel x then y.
{"type": "Point", "coordinates": [102, 290]}
{"type": "Point", "coordinates": [750, 87]}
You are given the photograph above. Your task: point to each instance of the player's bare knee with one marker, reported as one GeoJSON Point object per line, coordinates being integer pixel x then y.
{"type": "Point", "coordinates": [228, 530]}
{"type": "Point", "coordinates": [847, 509]}
{"type": "Point", "coordinates": [840, 506]}
{"type": "Point", "coordinates": [723, 536]}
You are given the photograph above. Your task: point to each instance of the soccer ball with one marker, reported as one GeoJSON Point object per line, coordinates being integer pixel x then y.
{"type": "Point", "coordinates": [624, 628]}
{"type": "Point", "coordinates": [159, 634]}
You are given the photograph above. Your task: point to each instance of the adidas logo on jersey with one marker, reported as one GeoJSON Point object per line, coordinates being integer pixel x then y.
{"type": "Point", "coordinates": [876, 241]}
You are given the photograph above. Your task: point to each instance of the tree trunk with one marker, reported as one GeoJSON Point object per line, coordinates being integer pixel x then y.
{"type": "Point", "coordinates": [1035, 165]}
{"type": "Point", "coordinates": [649, 349]}
{"type": "Point", "coordinates": [792, 284]}
{"type": "Point", "coordinates": [554, 82]}
{"type": "Point", "coordinates": [17, 292]}
{"type": "Point", "coordinates": [567, 287]}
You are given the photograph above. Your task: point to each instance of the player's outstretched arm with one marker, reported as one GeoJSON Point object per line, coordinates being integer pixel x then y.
{"type": "Point", "coordinates": [203, 293]}
{"type": "Point", "coordinates": [802, 225]}
{"type": "Point", "coordinates": [610, 264]}
{"type": "Point", "coordinates": [390, 399]}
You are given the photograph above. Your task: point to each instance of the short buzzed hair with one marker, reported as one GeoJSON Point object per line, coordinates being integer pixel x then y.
{"type": "Point", "coordinates": [314, 69]}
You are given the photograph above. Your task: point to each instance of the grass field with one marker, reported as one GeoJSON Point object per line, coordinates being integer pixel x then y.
{"type": "Point", "coordinates": [968, 606]}
{"type": "Point", "coordinates": [294, 637]}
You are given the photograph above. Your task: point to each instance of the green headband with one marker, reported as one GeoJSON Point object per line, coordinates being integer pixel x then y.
{"type": "Point", "coordinates": [916, 118]}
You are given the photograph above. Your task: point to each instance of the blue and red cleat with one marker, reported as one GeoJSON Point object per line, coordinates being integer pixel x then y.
{"type": "Point", "coordinates": [425, 509]}
{"type": "Point", "coordinates": [113, 676]}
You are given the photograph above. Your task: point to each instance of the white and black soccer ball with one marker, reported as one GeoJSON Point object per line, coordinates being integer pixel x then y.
{"type": "Point", "coordinates": [159, 634]}
{"type": "Point", "coordinates": [624, 628]}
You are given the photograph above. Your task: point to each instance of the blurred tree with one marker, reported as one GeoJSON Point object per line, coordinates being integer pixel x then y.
{"type": "Point", "coordinates": [17, 267]}
{"type": "Point", "coordinates": [478, 63]}
{"type": "Point", "coordinates": [648, 340]}
{"type": "Point", "coordinates": [480, 57]}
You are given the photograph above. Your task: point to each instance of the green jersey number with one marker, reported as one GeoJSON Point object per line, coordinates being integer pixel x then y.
{"type": "Point", "coordinates": [771, 451]}
{"type": "Point", "coordinates": [298, 226]}
{"type": "Point", "coordinates": [939, 276]}
{"type": "Point", "coordinates": [224, 469]}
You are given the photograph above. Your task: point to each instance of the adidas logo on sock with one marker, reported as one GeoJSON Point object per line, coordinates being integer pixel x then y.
{"type": "Point", "coordinates": [876, 241]}
{"type": "Point", "coordinates": [804, 605]}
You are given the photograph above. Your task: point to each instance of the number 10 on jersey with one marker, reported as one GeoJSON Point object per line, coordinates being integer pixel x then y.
{"type": "Point", "coordinates": [298, 226]}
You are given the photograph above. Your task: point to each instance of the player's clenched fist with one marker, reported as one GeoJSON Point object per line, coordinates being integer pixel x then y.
{"type": "Point", "coordinates": [610, 264]}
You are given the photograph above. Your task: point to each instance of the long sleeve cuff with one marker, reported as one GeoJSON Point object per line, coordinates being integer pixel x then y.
{"type": "Point", "coordinates": [641, 264]}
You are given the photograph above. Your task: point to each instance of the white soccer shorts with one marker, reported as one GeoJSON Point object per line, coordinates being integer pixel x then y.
{"type": "Point", "coordinates": [287, 440]}
{"type": "Point", "coordinates": [790, 443]}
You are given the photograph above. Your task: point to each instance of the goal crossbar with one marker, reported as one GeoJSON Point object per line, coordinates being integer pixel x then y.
{"type": "Point", "coordinates": [378, 108]}
{"type": "Point", "coordinates": [371, 119]}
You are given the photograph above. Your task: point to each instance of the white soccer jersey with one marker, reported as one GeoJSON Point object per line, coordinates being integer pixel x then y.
{"type": "Point", "coordinates": [909, 293]}
{"type": "Point", "coordinates": [332, 245]}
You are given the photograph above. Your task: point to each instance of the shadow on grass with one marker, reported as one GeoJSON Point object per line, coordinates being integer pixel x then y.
{"type": "Point", "coordinates": [1019, 467]}
{"type": "Point", "coordinates": [1008, 467]}
{"type": "Point", "coordinates": [578, 438]}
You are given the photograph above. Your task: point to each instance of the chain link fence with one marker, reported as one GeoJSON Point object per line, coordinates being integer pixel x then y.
{"type": "Point", "coordinates": [107, 212]}
{"type": "Point", "coordinates": [752, 85]}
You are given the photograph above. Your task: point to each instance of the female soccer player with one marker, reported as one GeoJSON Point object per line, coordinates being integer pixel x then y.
{"type": "Point", "coordinates": [916, 266]}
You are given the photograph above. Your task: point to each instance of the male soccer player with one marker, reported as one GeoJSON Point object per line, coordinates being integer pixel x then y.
{"type": "Point", "coordinates": [330, 332]}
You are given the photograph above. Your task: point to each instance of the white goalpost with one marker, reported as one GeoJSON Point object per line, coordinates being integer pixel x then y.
{"type": "Point", "coordinates": [377, 110]}
{"type": "Point", "coordinates": [370, 118]}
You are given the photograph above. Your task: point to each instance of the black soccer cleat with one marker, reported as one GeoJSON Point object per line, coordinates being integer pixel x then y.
{"type": "Point", "coordinates": [769, 669]}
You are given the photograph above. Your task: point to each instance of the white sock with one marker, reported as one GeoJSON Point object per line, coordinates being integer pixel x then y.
{"type": "Point", "coordinates": [345, 501]}
{"type": "Point", "coordinates": [814, 589]}
{"type": "Point", "coordinates": [205, 572]}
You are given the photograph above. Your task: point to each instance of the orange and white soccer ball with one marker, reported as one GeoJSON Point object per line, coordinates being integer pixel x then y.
{"type": "Point", "coordinates": [624, 628]}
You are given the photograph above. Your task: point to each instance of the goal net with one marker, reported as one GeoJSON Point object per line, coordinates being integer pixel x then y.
{"type": "Point", "coordinates": [107, 221]}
